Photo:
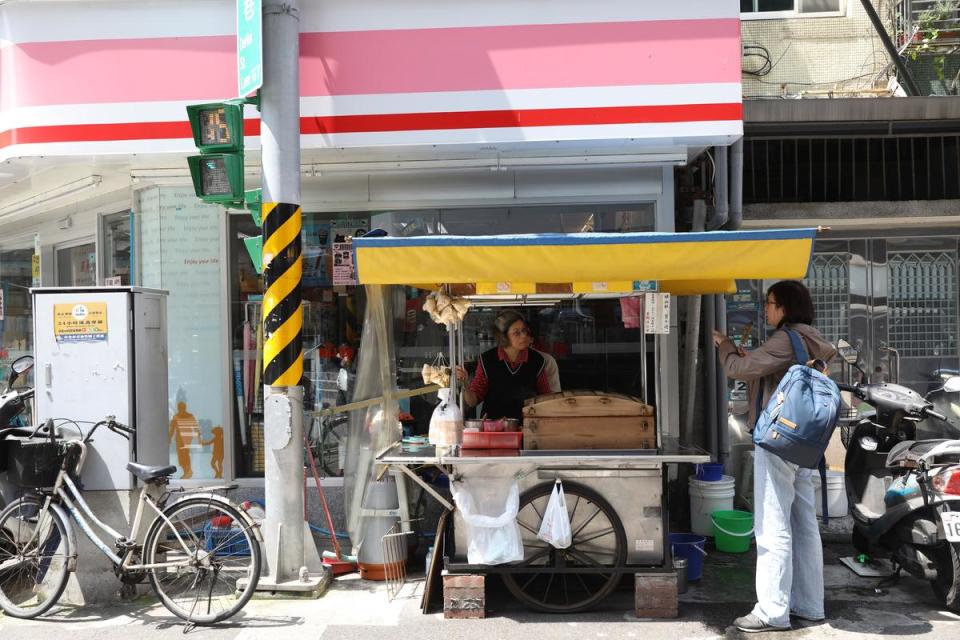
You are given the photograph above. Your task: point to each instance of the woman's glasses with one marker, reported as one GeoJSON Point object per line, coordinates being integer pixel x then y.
{"type": "Point", "coordinates": [520, 332]}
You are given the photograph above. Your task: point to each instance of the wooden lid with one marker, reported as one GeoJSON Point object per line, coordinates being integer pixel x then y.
{"type": "Point", "coordinates": [585, 403]}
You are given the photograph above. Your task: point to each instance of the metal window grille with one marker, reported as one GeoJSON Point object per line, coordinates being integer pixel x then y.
{"type": "Point", "coordinates": [829, 284]}
{"type": "Point", "coordinates": [923, 303]}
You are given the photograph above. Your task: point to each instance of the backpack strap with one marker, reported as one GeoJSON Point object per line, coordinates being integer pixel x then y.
{"type": "Point", "coordinates": [799, 350]}
{"type": "Point", "coordinates": [823, 488]}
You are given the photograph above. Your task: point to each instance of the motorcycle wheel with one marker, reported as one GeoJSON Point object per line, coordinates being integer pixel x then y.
{"type": "Point", "coordinates": [947, 585]}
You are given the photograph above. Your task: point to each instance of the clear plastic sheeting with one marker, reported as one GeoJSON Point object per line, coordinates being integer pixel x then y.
{"type": "Point", "coordinates": [373, 429]}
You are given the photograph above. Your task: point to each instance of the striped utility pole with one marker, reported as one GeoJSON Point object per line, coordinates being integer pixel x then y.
{"type": "Point", "coordinates": [287, 564]}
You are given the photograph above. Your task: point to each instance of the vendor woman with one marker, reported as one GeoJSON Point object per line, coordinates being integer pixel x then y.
{"type": "Point", "coordinates": [510, 373]}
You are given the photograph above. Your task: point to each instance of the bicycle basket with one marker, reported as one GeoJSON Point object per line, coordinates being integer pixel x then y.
{"type": "Point", "coordinates": [34, 464]}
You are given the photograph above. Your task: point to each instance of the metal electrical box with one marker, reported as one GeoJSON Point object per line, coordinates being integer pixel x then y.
{"type": "Point", "coordinates": [103, 351]}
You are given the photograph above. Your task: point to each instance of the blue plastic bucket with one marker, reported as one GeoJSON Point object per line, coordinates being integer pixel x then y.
{"type": "Point", "coordinates": [689, 546]}
{"type": "Point", "coordinates": [710, 472]}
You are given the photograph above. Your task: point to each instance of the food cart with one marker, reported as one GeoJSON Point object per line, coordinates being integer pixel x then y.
{"type": "Point", "coordinates": [616, 497]}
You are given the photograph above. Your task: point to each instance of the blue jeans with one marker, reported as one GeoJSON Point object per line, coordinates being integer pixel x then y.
{"type": "Point", "coordinates": [789, 552]}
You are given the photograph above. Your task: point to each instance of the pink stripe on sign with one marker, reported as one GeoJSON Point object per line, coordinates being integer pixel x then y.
{"type": "Point", "coordinates": [372, 62]}
{"type": "Point", "coordinates": [520, 57]}
{"type": "Point", "coordinates": [104, 71]}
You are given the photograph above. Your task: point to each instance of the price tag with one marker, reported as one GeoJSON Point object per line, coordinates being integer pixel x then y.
{"type": "Point", "coordinates": [951, 525]}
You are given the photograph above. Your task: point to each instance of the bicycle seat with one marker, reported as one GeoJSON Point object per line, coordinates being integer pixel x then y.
{"type": "Point", "coordinates": [148, 473]}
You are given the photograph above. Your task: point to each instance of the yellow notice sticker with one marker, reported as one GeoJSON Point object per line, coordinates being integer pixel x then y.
{"type": "Point", "coordinates": [80, 321]}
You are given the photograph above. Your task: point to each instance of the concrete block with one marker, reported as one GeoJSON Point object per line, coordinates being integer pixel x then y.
{"type": "Point", "coordinates": [655, 595]}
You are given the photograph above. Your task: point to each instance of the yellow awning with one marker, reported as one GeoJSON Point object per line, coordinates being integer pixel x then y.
{"type": "Point", "coordinates": [681, 263]}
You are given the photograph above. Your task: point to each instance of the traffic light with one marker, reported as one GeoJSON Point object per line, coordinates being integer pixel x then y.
{"type": "Point", "coordinates": [218, 133]}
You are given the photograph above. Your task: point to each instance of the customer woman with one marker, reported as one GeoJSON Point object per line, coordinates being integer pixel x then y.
{"type": "Point", "coordinates": [789, 578]}
{"type": "Point", "coordinates": [511, 372]}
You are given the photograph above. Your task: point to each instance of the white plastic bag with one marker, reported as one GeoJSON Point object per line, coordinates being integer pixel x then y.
{"type": "Point", "coordinates": [446, 423]}
{"type": "Point", "coordinates": [489, 508]}
{"type": "Point", "coordinates": [555, 527]}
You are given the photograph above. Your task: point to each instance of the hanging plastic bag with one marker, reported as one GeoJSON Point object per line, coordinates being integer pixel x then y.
{"type": "Point", "coordinates": [489, 508]}
{"type": "Point", "coordinates": [555, 527]}
{"type": "Point", "coordinates": [446, 423]}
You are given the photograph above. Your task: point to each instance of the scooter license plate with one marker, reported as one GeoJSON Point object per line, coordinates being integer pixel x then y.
{"type": "Point", "coordinates": [951, 525]}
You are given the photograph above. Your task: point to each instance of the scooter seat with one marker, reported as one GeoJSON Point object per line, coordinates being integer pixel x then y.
{"type": "Point", "coordinates": [149, 473]}
{"type": "Point", "coordinates": [908, 452]}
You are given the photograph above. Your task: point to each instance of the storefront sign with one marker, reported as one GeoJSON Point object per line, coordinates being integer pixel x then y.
{"type": "Point", "coordinates": [80, 322]}
{"type": "Point", "coordinates": [115, 281]}
{"type": "Point", "coordinates": [343, 271]}
{"type": "Point", "coordinates": [35, 271]}
{"type": "Point", "coordinates": [1, 303]}
{"type": "Point", "coordinates": [656, 312]}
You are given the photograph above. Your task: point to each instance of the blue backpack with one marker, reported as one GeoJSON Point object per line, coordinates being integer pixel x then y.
{"type": "Point", "coordinates": [800, 417]}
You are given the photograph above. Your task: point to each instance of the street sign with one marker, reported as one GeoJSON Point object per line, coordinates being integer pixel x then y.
{"type": "Point", "coordinates": [249, 47]}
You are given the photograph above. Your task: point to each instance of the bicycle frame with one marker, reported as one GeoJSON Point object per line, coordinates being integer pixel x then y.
{"type": "Point", "coordinates": [66, 490]}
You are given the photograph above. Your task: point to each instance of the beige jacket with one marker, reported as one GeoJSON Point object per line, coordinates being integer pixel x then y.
{"type": "Point", "coordinates": [769, 361]}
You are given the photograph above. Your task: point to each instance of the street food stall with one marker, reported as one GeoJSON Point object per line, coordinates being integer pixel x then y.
{"type": "Point", "coordinates": [609, 450]}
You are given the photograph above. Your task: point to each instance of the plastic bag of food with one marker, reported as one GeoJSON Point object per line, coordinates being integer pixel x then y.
{"type": "Point", "coordinates": [555, 527]}
{"type": "Point", "coordinates": [489, 508]}
{"type": "Point", "coordinates": [446, 423]}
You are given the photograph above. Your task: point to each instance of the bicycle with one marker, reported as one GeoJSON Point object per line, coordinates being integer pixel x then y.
{"type": "Point", "coordinates": [201, 553]}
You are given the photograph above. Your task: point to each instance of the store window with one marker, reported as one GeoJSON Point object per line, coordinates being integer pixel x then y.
{"type": "Point", "coordinates": [800, 7]}
{"type": "Point", "coordinates": [77, 265]}
{"type": "Point", "coordinates": [829, 283]}
{"type": "Point", "coordinates": [923, 302]}
{"type": "Point", "coordinates": [180, 252]}
{"type": "Point", "coordinates": [16, 315]}
{"type": "Point", "coordinates": [593, 346]}
{"type": "Point", "coordinates": [116, 248]}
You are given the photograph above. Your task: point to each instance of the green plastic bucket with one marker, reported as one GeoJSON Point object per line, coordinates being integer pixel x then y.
{"type": "Point", "coordinates": [732, 530]}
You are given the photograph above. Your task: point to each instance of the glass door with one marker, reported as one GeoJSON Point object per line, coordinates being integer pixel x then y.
{"type": "Point", "coordinates": [76, 264]}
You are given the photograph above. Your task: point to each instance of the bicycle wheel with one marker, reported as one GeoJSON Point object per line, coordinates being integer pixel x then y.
{"type": "Point", "coordinates": [209, 548]}
{"type": "Point", "coordinates": [34, 555]}
{"type": "Point", "coordinates": [578, 577]}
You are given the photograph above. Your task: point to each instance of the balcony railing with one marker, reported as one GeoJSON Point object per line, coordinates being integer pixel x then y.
{"type": "Point", "coordinates": [927, 26]}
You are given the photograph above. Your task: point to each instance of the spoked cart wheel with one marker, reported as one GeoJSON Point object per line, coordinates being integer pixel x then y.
{"type": "Point", "coordinates": [580, 576]}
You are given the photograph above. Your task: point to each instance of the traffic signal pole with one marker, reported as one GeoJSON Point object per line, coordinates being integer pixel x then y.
{"type": "Point", "coordinates": [292, 559]}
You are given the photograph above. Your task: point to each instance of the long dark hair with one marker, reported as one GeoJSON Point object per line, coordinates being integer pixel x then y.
{"type": "Point", "coordinates": [794, 298]}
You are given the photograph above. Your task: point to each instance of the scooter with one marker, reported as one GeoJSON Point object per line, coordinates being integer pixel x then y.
{"type": "Point", "coordinates": [13, 402]}
{"type": "Point", "coordinates": [904, 494]}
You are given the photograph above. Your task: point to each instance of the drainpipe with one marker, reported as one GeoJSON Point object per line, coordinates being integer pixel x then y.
{"type": "Point", "coordinates": [692, 340]}
{"type": "Point", "coordinates": [720, 190]}
{"type": "Point", "coordinates": [710, 371]}
{"type": "Point", "coordinates": [723, 408]}
{"type": "Point", "coordinates": [736, 186]}
{"type": "Point", "coordinates": [912, 89]}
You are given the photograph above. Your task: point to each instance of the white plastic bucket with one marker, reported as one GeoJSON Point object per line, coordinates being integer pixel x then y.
{"type": "Point", "coordinates": [836, 494]}
{"type": "Point", "coordinates": [707, 497]}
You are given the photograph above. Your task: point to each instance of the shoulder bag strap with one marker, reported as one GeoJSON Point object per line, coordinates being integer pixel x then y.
{"type": "Point", "coordinates": [799, 351]}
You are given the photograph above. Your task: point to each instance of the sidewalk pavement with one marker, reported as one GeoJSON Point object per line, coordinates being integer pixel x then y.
{"type": "Point", "coordinates": [357, 610]}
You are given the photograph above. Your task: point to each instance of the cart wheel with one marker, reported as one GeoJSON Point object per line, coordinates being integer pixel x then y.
{"type": "Point", "coordinates": [556, 582]}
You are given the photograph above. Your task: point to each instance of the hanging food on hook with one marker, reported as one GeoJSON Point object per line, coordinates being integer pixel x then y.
{"type": "Point", "coordinates": [446, 309]}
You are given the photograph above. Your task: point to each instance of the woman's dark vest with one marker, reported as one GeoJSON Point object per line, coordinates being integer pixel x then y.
{"type": "Point", "coordinates": [509, 388]}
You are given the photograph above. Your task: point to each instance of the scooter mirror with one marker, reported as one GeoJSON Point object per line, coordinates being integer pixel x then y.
{"type": "Point", "coordinates": [847, 352]}
{"type": "Point", "coordinates": [22, 364]}
{"type": "Point", "coordinates": [952, 384]}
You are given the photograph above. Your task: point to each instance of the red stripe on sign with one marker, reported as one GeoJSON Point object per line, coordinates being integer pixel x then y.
{"type": "Point", "coordinates": [392, 122]}
{"type": "Point", "coordinates": [517, 119]}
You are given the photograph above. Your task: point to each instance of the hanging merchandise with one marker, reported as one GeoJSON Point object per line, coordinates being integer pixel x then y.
{"type": "Point", "coordinates": [555, 527]}
{"type": "Point", "coordinates": [446, 423]}
{"type": "Point", "coordinates": [445, 309]}
{"type": "Point", "coordinates": [436, 373]}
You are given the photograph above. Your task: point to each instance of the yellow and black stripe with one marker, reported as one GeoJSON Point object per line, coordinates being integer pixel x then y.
{"type": "Point", "coordinates": [282, 313]}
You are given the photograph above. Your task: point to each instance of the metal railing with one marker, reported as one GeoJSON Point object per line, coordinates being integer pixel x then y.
{"type": "Point", "coordinates": [931, 25]}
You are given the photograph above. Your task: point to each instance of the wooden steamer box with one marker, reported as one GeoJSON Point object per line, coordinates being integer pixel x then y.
{"type": "Point", "coordinates": [588, 420]}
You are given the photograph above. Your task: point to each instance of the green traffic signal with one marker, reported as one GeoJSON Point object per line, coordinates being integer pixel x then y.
{"type": "Point", "coordinates": [217, 127]}
{"type": "Point", "coordinates": [217, 177]}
